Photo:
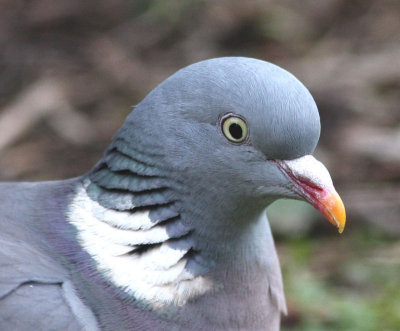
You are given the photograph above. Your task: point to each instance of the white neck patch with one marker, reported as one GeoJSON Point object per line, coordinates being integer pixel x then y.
{"type": "Point", "coordinates": [157, 276]}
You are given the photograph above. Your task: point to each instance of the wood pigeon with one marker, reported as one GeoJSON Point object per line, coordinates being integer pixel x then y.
{"type": "Point", "coordinates": [169, 231]}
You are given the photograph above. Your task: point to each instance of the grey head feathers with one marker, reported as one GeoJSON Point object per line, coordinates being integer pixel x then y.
{"type": "Point", "coordinates": [281, 112]}
{"type": "Point", "coordinates": [173, 143]}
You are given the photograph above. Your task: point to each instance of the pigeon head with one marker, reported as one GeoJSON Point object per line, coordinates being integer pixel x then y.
{"type": "Point", "coordinates": [227, 126]}
{"type": "Point", "coordinates": [182, 189]}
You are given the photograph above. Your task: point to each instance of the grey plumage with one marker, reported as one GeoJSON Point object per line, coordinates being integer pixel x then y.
{"type": "Point", "coordinates": [168, 230]}
{"type": "Point", "coordinates": [36, 292]}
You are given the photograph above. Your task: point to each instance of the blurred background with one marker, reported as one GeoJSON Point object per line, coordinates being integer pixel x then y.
{"type": "Point", "coordinates": [70, 72]}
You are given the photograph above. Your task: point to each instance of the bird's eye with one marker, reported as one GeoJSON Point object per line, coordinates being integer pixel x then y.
{"type": "Point", "coordinates": [234, 128]}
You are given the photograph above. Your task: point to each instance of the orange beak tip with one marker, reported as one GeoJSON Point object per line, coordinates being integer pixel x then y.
{"type": "Point", "coordinates": [333, 209]}
{"type": "Point", "coordinates": [340, 229]}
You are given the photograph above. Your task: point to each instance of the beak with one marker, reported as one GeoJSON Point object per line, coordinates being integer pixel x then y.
{"type": "Point", "coordinates": [311, 181]}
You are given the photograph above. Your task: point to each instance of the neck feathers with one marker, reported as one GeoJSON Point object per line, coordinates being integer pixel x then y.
{"type": "Point", "coordinates": [125, 213]}
{"type": "Point", "coordinates": [136, 254]}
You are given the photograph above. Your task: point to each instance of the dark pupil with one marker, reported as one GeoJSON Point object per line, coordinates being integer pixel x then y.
{"type": "Point", "coordinates": [236, 131]}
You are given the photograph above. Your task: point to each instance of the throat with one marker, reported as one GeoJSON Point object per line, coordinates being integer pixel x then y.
{"type": "Point", "coordinates": [147, 253]}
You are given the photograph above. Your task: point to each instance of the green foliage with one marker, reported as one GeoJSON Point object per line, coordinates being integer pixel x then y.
{"type": "Point", "coordinates": [359, 290]}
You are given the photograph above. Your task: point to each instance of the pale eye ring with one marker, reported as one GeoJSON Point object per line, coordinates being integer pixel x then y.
{"type": "Point", "coordinates": [234, 128]}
